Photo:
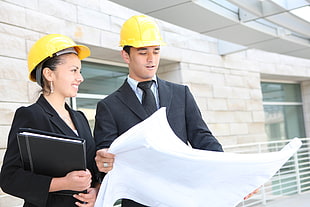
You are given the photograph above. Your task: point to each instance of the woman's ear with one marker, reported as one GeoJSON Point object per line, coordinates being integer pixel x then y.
{"type": "Point", "coordinates": [47, 73]}
{"type": "Point", "coordinates": [125, 56]}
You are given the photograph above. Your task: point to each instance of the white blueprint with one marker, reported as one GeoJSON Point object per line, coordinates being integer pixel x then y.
{"type": "Point", "coordinates": [155, 168]}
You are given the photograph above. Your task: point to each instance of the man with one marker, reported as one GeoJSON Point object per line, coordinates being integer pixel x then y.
{"type": "Point", "coordinates": [141, 41]}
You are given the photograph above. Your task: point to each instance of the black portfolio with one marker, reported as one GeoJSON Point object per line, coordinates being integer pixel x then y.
{"type": "Point", "coordinates": [51, 154]}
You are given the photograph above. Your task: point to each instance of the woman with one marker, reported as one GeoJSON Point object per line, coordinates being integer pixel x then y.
{"type": "Point", "coordinates": [54, 62]}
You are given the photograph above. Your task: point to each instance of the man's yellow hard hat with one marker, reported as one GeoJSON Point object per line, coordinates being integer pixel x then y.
{"type": "Point", "coordinates": [48, 46]}
{"type": "Point", "coordinates": [140, 31]}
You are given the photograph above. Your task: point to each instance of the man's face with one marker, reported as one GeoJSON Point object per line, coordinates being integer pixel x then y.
{"type": "Point", "coordinates": [142, 62]}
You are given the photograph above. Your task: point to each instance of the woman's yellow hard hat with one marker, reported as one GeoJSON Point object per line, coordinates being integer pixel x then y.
{"type": "Point", "coordinates": [48, 46]}
{"type": "Point", "coordinates": [140, 31]}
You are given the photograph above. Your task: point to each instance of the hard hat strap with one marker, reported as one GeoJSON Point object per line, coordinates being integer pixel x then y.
{"type": "Point", "coordinates": [39, 73]}
{"type": "Point", "coordinates": [66, 51]}
{"type": "Point", "coordinates": [39, 66]}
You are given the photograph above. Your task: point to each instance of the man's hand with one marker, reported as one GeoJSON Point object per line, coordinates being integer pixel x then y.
{"type": "Point", "coordinates": [104, 160]}
{"type": "Point", "coordinates": [251, 194]}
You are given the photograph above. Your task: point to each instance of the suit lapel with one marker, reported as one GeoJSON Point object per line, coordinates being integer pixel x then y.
{"type": "Point", "coordinates": [54, 117]}
{"type": "Point", "coordinates": [76, 121]}
{"type": "Point", "coordinates": [165, 94]}
{"type": "Point", "coordinates": [129, 98]}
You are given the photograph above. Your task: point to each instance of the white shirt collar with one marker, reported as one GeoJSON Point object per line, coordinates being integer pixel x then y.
{"type": "Point", "coordinates": [134, 84]}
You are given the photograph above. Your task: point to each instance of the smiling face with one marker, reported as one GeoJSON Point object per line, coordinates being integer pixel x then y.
{"type": "Point", "coordinates": [67, 77]}
{"type": "Point", "coordinates": [142, 62]}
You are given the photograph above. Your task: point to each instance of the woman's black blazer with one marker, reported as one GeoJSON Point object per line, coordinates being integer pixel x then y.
{"type": "Point", "coordinates": [33, 188]}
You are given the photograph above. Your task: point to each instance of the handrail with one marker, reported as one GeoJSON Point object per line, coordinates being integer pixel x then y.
{"type": "Point", "coordinates": [293, 177]}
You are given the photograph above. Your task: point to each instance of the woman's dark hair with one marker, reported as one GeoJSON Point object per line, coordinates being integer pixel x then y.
{"type": "Point", "coordinates": [50, 63]}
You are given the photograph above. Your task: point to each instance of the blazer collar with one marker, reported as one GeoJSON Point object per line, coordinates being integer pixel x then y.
{"type": "Point", "coordinates": [165, 93]}
{"type": "Point", "coordinates": [56, 119]}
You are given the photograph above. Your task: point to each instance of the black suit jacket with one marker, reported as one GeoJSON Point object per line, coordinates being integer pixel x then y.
{"type": "Point", "coordinates": [121, 110]}
{"type": "Point", "coordinates": [31, 187]}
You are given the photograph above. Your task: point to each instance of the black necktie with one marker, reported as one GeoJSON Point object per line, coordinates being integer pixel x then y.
{"type": "Point", "coordinates": [148, 99]}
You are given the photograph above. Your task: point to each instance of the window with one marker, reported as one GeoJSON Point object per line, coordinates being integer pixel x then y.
{"type": "Point", "coordinates": [284, 120]}
{"type": "Point", "coordinates": [283, 110]}
{"type": "Point", "coordinates": [100, 80]}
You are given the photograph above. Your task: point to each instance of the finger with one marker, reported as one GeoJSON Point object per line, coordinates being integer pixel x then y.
{"type": "Point", "coordinates": [83, 204]}
{"type": "Point", "coordinates": [248, 196]}
{"type": "Point", "coordinates": [104, 168]}
{"type": "Point", "coordinates": [101, 160]}
{"type": "Point", "coordinates": [81, 199]}
{"type": "Point", "coordinates": [108, 160]}
{"type": "Point", "coordinates": [86, 199]}
{"type": "Point", "coordinates": [104, 165]}
{"type": "Point", "coordinates": [256, 191]}
{"type": "Point", "coordinates": [104, 153]}
{"type": "Point", "coordinates": [82, 173]}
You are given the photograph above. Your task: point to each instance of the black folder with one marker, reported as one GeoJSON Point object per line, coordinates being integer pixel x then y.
{"type": "Point", "coordinates": [51, 154]}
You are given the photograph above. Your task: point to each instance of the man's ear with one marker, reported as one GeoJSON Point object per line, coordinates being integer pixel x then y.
{"type": "Point", "coordinates": [47, 74]}
{"type": "Point", "coordinates": [125, 56]}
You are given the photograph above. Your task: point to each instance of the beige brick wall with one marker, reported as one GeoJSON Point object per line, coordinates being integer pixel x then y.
{"type": "Point", "coordinates": [227, 88]}
{"type": "Point", "coordinates": [9, 201]}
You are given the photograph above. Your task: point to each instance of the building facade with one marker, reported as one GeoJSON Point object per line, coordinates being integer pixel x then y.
{"type": "Point", "coordinates": [234, 92]}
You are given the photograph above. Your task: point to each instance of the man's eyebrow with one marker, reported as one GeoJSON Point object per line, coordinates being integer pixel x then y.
{"type": "Point", "coordinates": [141, 48]}
{"type": "Point", "coordinates": [144, 48]}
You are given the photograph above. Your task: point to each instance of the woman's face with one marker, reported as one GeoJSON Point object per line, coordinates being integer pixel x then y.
{"type": "Point", "coordinates": [67, 77]}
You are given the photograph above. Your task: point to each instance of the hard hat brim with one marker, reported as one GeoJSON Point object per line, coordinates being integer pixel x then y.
{"type": "Point", "coordinates": [138, 44]}
{"type": "Point", "coordinates": [83, 52]}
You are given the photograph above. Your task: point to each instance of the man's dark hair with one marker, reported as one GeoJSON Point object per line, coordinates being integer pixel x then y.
{"type": "Point", "coordinates": [127, 49]}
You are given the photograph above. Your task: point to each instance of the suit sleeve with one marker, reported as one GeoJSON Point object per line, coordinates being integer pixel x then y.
{"type": "Point", "coordinates": [198, 133]}
{"type": "Point", "coordinates": [14, 179]}
{"type": "Point", "coordinates": [106, 130]}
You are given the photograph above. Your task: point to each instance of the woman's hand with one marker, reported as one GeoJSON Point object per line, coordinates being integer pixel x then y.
{"type": "Point", "coordinates": [86, 199]}
{"type": "Point", "coordinates": [79, 180]}
{"type": "Point", "coordinates": [76, 180]}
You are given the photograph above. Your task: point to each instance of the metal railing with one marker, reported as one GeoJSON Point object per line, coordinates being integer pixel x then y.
{"type": "Point", "coordinates": [293, 178]}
